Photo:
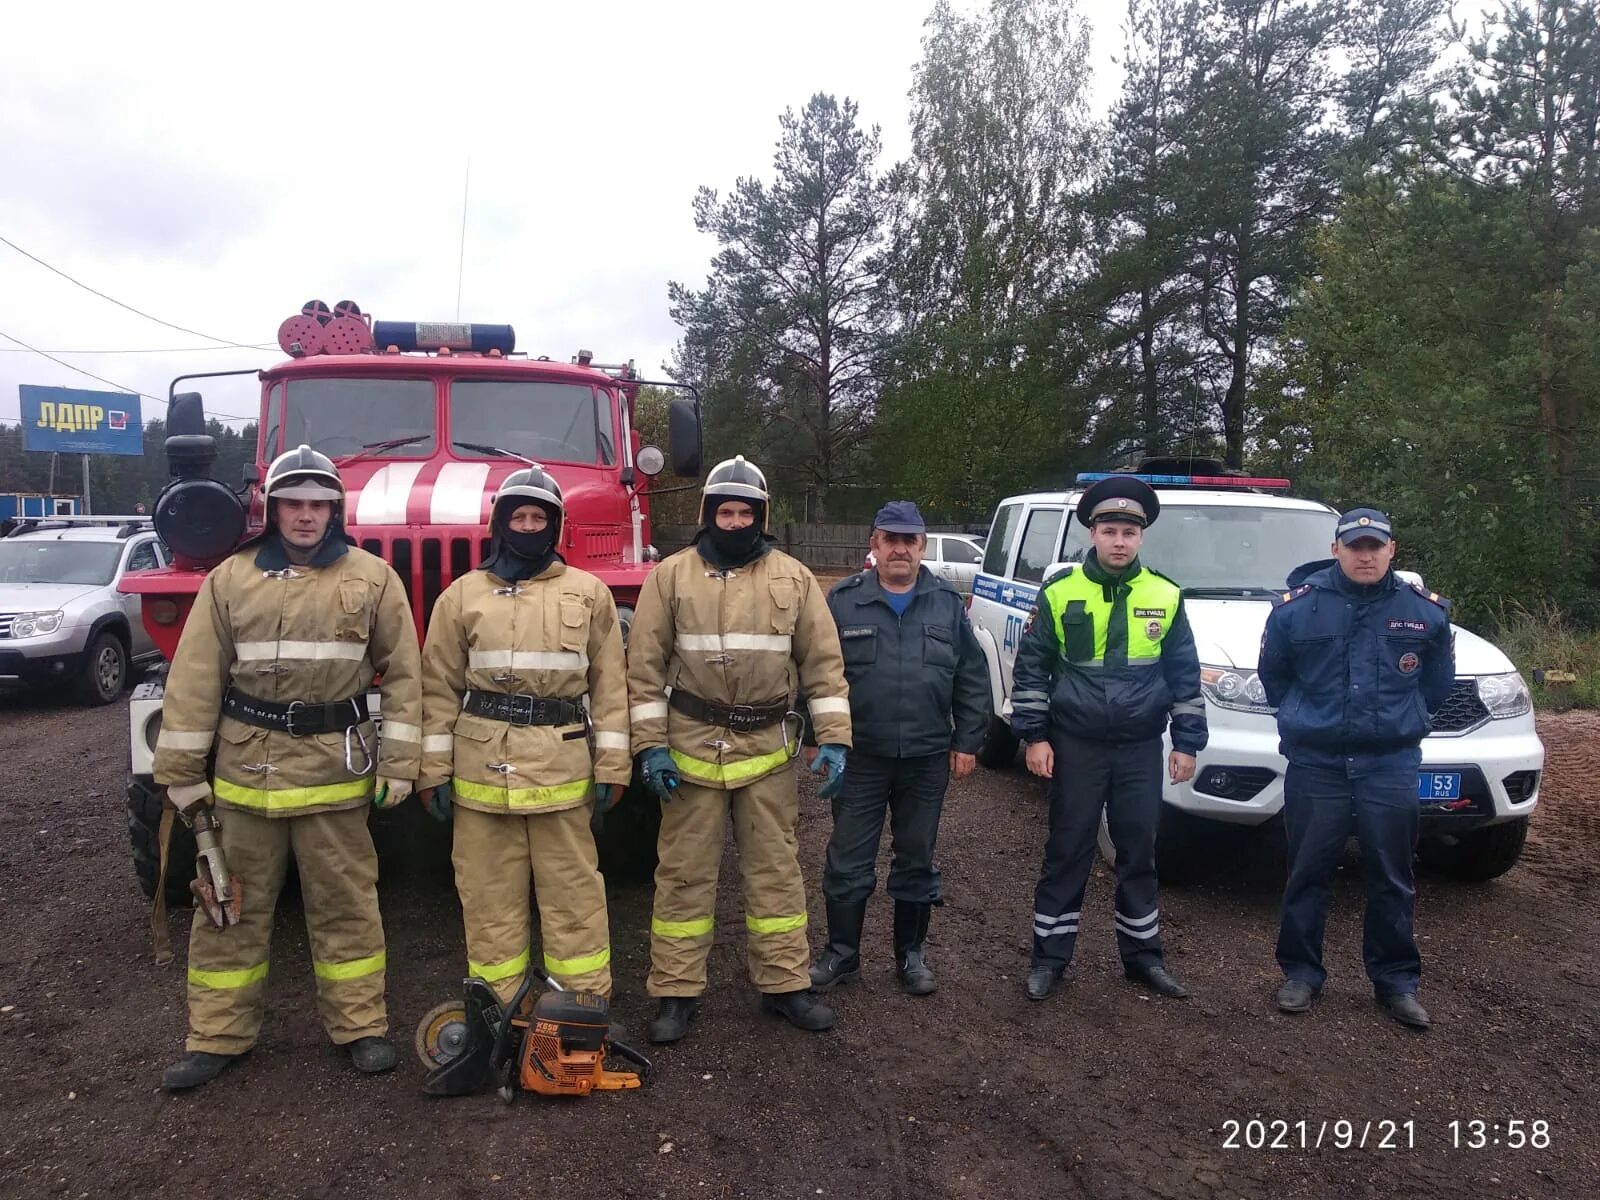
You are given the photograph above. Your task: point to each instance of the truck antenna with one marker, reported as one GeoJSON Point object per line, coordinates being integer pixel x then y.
{"type": "Point", "coordinates": [461, 257]}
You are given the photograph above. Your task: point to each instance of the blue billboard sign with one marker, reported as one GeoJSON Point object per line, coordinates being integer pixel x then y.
{"type": "Point", "coordinates": [73, 421]}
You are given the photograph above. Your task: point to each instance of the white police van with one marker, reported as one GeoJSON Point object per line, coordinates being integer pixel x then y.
{"type": "Point", "coordinates": [1231, 541]}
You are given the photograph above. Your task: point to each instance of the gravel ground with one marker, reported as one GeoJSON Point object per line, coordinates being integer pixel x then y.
{"type": "Point", "coordinates": [1100, 1092]}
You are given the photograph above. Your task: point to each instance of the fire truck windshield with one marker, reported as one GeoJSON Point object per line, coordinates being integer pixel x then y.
{"type": "Point", "coordinates": [341, 417]}
{"type": "Point", "coordinates": [547, 422]}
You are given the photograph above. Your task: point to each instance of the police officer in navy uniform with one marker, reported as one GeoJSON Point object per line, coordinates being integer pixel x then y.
{"type": "Point", "coordinates": [1354, 660]}
{"type": "Point", "coordinates": [1106, 661]}
{"type": "Point", "coordinates": [919, 702]}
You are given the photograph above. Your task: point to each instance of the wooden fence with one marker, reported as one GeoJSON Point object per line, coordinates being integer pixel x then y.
{"type": "Point", "coordinates": [832, 549]}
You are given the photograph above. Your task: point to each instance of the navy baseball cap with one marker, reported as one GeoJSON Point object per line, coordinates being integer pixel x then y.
{"type": "Point", "coordinates": [899, 516]}
{"type": "Point", "coordinates": [1361, 523]}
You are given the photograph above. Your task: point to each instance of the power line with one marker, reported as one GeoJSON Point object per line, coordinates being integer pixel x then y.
{"type": "Point", "coordinates": [121, 387]}
{"type": "Point", "coordinates": [113, 300]}
{"type": "Point", "coordinates": [141, 350]}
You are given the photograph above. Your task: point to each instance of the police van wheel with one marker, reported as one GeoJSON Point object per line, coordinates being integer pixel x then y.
{"type": "Point", "coordinates": [144, 832]}
{"type": "Point", "coordinates": [998, 749]}
{"type": "Point", "coordinates": [1479, 855]}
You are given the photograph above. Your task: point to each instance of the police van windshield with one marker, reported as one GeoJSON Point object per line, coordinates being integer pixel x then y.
{"type": "Point", "coordinates": [1224, 548]}
{"type": "Point", "coordinates": [544, 421]}
{"type": "Point", "coordinates": [31, 560]}
{"type": "Point", "coordinates": [341, 416]}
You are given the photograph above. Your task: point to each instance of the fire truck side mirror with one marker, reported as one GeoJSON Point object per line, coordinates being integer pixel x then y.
{"type": "Point", "coordinates": [186, 415]}
{"type": "Point", "coordinates": [252, 475]}
{"type": "Point", "coordinates": [684, 436]}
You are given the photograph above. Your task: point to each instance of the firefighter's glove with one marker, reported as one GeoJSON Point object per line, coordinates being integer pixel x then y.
{"type": "Point", "coordinates": [829, 761]}
{"type": "Point", "coordinates": [392, 793]}
{"type": "Point", "coordinates": [606, 795]}
{"type": "Point", "coordinates": [660, 772]}
{"type": "Point", "coordinates": [437, 801]}
{"type": "Point", "coordinates": [187, 797]}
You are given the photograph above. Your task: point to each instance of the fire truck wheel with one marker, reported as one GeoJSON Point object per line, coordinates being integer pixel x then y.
{"type": "Point", "coordinates": [104, 670]}
{"type": "Point", "coordinates": [144, 831]}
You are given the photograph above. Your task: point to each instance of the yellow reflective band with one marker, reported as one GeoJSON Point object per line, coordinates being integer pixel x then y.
{"type": "Point", "coordinates": [699, 927]}
{"type": "Point", "coordinates": [775, 924]}
{"type": "Point", "coordinates": [228, 979]}
{"type": "Point", "coordinates": [291, 799]}
{"type": "Point", "coordinates": [495, 972]}
{"type": "Point", "coordinates": [746, 768]}
{"type": "Point", "coordinates": [528, 797]}
{"type": "Point", "coordinates": [578, 966]}
{"type": "Point", "coordinates": [356, 968]}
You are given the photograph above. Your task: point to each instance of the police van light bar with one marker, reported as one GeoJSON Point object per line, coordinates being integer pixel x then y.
{"type": "Point", "coordinates": [1198, 481]}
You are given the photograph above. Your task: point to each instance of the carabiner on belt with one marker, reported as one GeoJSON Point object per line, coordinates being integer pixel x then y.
{"type": "Point", "coordinates": [350, 744]}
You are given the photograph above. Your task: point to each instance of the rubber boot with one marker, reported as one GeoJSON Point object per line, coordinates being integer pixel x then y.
{"type": "Point", "coordinates": [800, 1009]}
{"type": "Point", "coordinates": [910, 964]}
{"type": "Point", "coordinates": [841, 961]}
{"type": "Point", "coordinates": [673, 1015]}
{"type": "Point", "coordinates": [373, 1055]}
{"type": "Point", "coordinates": [195, 1069]}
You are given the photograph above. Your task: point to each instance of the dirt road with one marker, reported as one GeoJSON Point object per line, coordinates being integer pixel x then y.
{"type": "Point", "coordinates": [974, 1092]}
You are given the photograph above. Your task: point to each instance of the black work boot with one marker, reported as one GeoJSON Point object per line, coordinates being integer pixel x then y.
{"type": "Point", "coordinates": [841, 961]}
{"type": "Point", "coordinates": [673, 1015]}
{"type": "Point", "coordinates": [910, 964]}
{"type": "Point", "coordinates": [1042, 980]}
{"type": "Point", "coordinates": [195, 1069]}
{"type": "Point", "coordinates": [373, 1055]}
{"type": "Point", "coordinates": [800, 1009]}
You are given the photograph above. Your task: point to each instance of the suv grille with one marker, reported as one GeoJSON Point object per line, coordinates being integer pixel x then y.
{"type": "Point", "coordinates": [1462, 711]}
{"type": "Point", "coordinates": [5, 624]}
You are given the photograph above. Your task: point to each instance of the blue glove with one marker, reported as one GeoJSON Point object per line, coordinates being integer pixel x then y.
{"type": "Point", "coordinates": [606, 795]}
{"type": "Point", "coordinates": [437, 802]}
{"type": "Point", "coordinates": [829, 759]}
{"type": "Point", "coordinates": [660, 772]}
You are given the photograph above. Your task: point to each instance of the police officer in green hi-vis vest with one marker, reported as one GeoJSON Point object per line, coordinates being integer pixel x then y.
{"type": "Point", "coordinates": [1106, 659]}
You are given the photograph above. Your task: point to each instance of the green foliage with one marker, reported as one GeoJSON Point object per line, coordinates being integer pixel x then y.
{"type": "Point", "coordinates": [1543, 638]}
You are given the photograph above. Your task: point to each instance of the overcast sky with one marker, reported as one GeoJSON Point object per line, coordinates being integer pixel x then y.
{"type": "Point", "coordinates": [218, 170]}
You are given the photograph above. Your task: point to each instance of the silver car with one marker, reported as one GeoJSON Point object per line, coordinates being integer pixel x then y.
{"type": "Point", "coordinates": [63, 623]}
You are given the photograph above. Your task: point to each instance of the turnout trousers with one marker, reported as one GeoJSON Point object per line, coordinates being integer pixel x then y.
{"type": "Point", "coordinates": [683, 925]}
{"type": "Point", "coordinates": [910, 791]}
{"type": "Point", "coordinates": [496, 857]}
{"type": "Point", "coordinates": [1322, 806]}
{"type": "Point", "coordinates": [1123, 779]}
{"type": "Point", "coordinates": [339, 887]}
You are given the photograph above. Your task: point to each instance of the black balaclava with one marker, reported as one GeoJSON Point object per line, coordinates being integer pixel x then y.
{"type": "Point", "coordinates": [513, 555]}
{"type": "Point", "coordinates": [726, 549]}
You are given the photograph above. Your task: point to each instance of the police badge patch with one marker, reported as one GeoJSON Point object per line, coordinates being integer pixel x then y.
{"type": "Point", "coordinates": [1153, 631]}
{"type": "Point", "coordinates": [1027, 626]}
{"type": "Point", "coordinates": [1408, 663]}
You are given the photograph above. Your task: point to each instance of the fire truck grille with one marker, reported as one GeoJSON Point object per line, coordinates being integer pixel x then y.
{"type": "Point", "coordinates": [422, 565]}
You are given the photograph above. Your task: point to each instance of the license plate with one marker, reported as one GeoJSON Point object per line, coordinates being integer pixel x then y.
{"type": "Point", "coordinates": [1439, 785]}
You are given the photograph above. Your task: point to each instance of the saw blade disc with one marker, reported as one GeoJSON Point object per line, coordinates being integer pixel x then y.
{"type": "Point", "coordinates": [442, 1034]}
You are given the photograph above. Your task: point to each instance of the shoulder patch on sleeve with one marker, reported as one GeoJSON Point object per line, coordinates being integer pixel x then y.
{"type": "Point", "coordinates": [1061, 574]}
{"type": "Point", "coordinates": [1168, 578]}
{"type": "Point", "coordinates": [1431, 597]}
{"type": "Point", "coordinates": [1293, 594]}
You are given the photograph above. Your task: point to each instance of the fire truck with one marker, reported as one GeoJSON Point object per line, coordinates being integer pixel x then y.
{"type": "Point", "coordinates": [424, 421]}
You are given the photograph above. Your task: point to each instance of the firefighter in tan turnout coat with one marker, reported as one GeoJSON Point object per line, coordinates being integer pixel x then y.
{"type": "Point", "coordinates": [724, 633]}
{"type": "Point", "coordinates": [513, 649]}
{"type": "Point", "coordinates": [273, 668]}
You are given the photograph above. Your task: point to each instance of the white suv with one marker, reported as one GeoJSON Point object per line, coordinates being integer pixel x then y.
{"type": "Point", "coordinates": [62, 620]}
{"type": "Point", "coordinates": [1231, 544]}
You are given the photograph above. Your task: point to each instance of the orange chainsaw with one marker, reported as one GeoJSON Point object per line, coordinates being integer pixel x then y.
{"type": "Point", "coordinates": [558, 1047]}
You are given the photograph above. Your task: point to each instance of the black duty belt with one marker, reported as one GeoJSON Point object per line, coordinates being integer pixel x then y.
{"type": "Point", "coordinates": [523, 710]}
{"type": "Point", "coordinates": [741, 718]}
{"type": "Point", "coordinates": [297, 718]}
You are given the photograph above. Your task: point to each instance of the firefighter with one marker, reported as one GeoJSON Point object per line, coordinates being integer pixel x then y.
{"type": "Point", "coordinates": [1106, 660]}
{"type": "Point", "coordinates": [1354, 660]}
{"type": "Point", "coordinates": [512, 754]}
{"type": "Point", "coordinates": [273, 669]}
{"type": "Point", "coordinates": [725, 631]}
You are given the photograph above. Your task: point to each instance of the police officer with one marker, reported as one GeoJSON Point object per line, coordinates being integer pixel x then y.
{"type": "Point", "coordinates": [724, 632]}
{"type": "Point", "coordinates": [273, 669]}
{"type": "Point", "coordinates": [1106, 660]}
{"type": "Point", "coordinates": [515, 651]}
{"type": "Point", "coordinates": [919, 702]}
{"type": "Point", "coordinates": [1354, 660]}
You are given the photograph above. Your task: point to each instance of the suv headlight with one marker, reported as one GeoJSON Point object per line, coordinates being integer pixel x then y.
{"type": "Point", "coordinates": [1504, 695]}
{"type": "Point", "coordinates": [1229, 688]}
{"type": "Point", "coordinates": [34, 624]}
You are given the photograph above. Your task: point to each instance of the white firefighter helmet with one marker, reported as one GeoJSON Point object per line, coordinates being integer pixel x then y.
{"type": "Point", "coordinates": [734, 479]}
{"type": "Point", "coordinates": [303, 474]}
{"type": "Point", "coordinates": [531, 485]}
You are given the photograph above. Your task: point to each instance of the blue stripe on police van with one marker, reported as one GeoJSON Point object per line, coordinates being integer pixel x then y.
{"type": "Point", "coordinates": [1003, 591]}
